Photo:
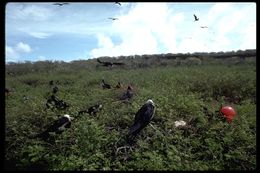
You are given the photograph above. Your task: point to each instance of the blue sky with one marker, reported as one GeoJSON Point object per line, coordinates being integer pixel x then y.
{"type": "Point", "coordinates": [80, 31]}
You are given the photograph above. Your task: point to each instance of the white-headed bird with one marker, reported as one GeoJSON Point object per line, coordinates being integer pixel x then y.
{"type": "Point", "coordinates": [57, 126]}
{"type": "Point", "coordinates": [142, 119]}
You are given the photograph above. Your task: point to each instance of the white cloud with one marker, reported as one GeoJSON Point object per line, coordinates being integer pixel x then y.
{"type": "Point", "coordinates": [39, 35]}
{"type": "Point", "coordinates": [15, 52]}
{"type": "Point", "coordinates": [163, 29]}
{"type": "Point", "coordinates": [10, 54]}
{"type": "Point", "coordinates": [249, 39]}
{"type": "Point", "coordinates": [140, 31]}
{"type": "Point", "coordinates": [227, 28]}
{"type": "Point", "coordinates": [142, 28]}
{"type": "Point", "coordinates": [41, 58]}
{"type": "Point", "coordinates": [218, 10]}
{"type": "Point", "coordinates": [147, 44]}
{"type": "Point", "coordinates": [104, 41]}
{"type": "Point", "coordinates": [29, 11]}
{"type": "Point", "coordinates": [22, 47]}
{"type": "Point", "coordinates": [38, 19]}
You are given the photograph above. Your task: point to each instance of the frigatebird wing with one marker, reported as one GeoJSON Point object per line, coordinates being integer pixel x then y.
{"type": "Point", "coordinates": [118, 63]}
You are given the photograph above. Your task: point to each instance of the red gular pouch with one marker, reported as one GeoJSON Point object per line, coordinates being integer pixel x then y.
{"type": "Point", "coordinates": [228, 112]}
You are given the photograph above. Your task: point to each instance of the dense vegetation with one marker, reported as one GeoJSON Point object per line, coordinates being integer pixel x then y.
{"type": "Point", "coordinates": [180, 88]}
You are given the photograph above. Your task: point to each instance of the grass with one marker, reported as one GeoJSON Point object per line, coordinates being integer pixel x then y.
{"type": "Point", "coordinates": [93, 142]}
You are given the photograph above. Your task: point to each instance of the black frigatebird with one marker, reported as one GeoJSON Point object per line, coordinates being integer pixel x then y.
{"type": "Point", "coordinates": [109, 64]}
{"type": "Point", "coordinates": [118, 3]}
{"type": "Point", "coordinates": [128, 94]}
{"type": "Point", "coordinates": [57, 127]}
{"type": "Point", "coordinates": [142, 119]}
{"type": "Point", "coordinates": [196, 18]}
{"type": "Point", "coordinates": [113, 18]}
{"type": "Point", "coordinates": [61, 3]}
{"type": "Point", "coordinates": [93, 109]}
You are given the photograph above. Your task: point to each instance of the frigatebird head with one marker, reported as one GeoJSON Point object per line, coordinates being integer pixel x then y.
{"type": "Point", "coordinates": [149, 101]}
{"type": "Point", "coordinates": [68, 116]}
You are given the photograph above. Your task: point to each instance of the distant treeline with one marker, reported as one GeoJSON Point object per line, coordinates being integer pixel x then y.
{"type": "Point", "coordinates": [240, 53]}
{"type": "Point", "coordinates": [137, 61]}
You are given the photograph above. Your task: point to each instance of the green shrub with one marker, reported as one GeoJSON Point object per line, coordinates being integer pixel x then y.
{"type": "Point", "coordinates": [93, 141]}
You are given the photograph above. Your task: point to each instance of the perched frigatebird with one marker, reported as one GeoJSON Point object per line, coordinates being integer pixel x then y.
{"type": "Point", "coordinates": [93, 109]}
{"type": "Point", "coordinates": [142, 119]}
{"type": "Point", "coordinates": [57, 127]}
{"type": "Point", "coordinates": [128, 94]}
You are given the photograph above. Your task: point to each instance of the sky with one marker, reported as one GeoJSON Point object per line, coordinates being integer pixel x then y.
{"type": "Point", "coordinates": [81, 31]}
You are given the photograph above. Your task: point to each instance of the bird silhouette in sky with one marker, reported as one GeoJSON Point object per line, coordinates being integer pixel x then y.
{"type": "Point", "coordinates": [204, 27]}
{"type": "Point", "coordinates": [112, 18]}
{"type": "Point", "coordinates": [196, 18]}
{"type": "Point", "coordinates": [61, 4]}
{"type": "Point", "coordinates": [118, 3]}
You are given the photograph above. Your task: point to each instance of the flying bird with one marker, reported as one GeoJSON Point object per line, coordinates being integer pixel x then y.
{"type": "Point", "coordinates": [105, 85]}
{"type": "Point", "coordinates": [57, 127]}
{"type": "Point", "coordinates": [118, 63]}
{"type": "Point", "coordinates": [196, 18]}
{"type": "Point", "coordinates": [204, 27]}
{"type": "Point", "coordinates": [142, 119]}
{"type": "Point", "coordinates": [61, 4]}
{"type": "Point", "coordinates": [109, 64]}
{"type": "Point", "coordinates": [118, 3]}
{"type": "Point", "coordinates": [113, 18]}
{"type": "Point", "coordinates": [105, 63]}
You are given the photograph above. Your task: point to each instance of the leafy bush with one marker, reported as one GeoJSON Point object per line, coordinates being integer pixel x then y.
{"type": "Point", "coordinates": [97, 142]}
